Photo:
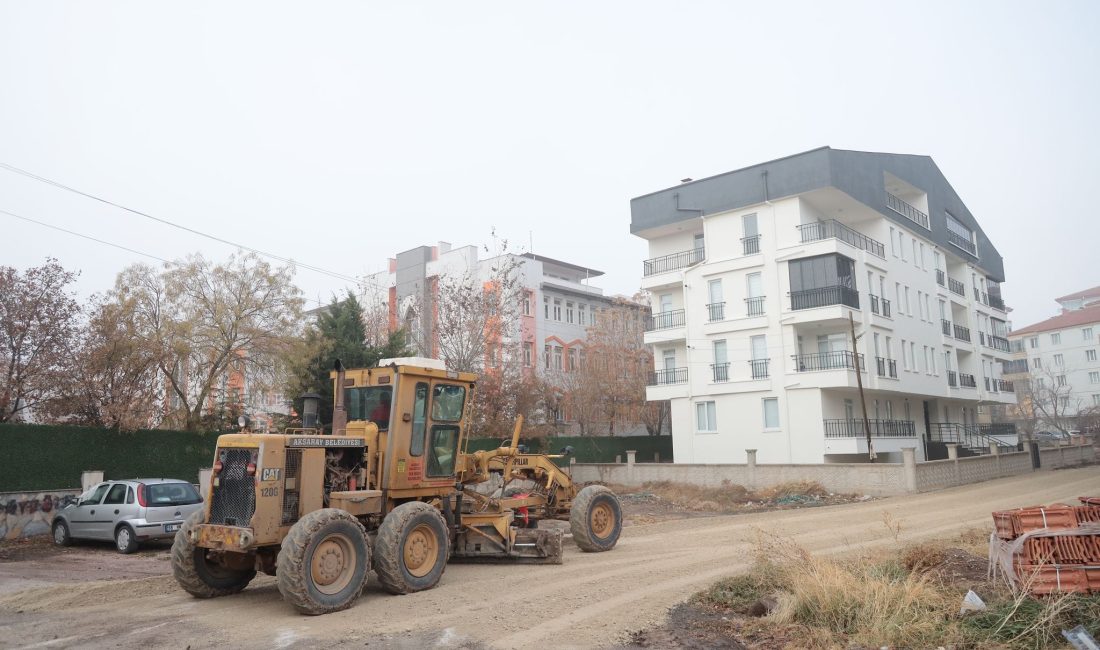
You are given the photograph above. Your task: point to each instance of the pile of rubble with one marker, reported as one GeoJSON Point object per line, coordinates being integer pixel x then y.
{"type": "Point", "coordinates": [1048, 549]}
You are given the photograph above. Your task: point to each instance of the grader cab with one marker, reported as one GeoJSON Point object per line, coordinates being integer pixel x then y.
{"type": "Point", "coordinates": [392, 488]}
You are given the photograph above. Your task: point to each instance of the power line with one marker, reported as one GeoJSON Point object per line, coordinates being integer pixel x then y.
{"type": "Point", "coordinates": [106, 243]}
{"type": "Point", "coordinates": [166, 222]}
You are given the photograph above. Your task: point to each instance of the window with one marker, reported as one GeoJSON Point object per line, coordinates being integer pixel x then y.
{"type": "Point", "coordinates": [1086, 333]}
{"type": "Point", "coordinates": [419, 419]}
{"type": "Point", "coordinates": [448, 401]}
{"type": "Point", "coordinates": [1041, 382]}
{"type": "Point", "coordinates": [927, 308]}
{"type": "Point", "coordinates": [904, 356]}
{"type": "Point", "coordinates": [546, 308]}
{"type": "Point", "coordinates": [582, 314]}
{"type": "Point", "coordinates": [923, 257]}
{"type": "Point", "coordinates": [889, 410]}
{"type": "Point", "coordinates": [129, 495]}
{"type": "Point", "coordinates": [1061, 380]}
{"type": "Point", "coordinates": [706, 419]}
{"type": "Point", "coordinates": [546, 357]}
{"type": "Point", "coordinates": [526, 304]}
{"type": "Point", "coordinates": [528, 353]}
{"type": "Point", "coordinates": [935, 367]}
{"type": "Point", "coordinates": [1095, 399]}
{"type": "Point", "coordinates": [1059, 360]}
{"type": "Point", "coordinates": [370, 403]}
{"type": "Point", "coordinates": [1033, 342]}
{"type": "Point", "coordinates": [893, 243]}
{"type": "Point", "coordinates": [889, 348]}
{"type": "Point", "coordinates": [920, 303]}
{"type": "Point", "coordinates": [916, 260]}
{"type": "Point", "coordinates": [557, 357]}
{"type": "Point", "coordinates": [572, 359]}
{"type": "Point", "coordinates": [94, 495]}
{"type": "Point", "coordinates": [913, 355]}
{"type": "Point", "coordinates": [907, 309]}
{"type": "Point", "coordinates": [557, 309]}
{"type": "Point", "coordinates": [927, 361]}
{"type": "Point", "coordinates": [822, 280]}
{"type": "Point", "coordinates": [569, 312]}
{"type": "Point", "coordinates": [771, 412]}
{"type": "Point", "coordinates": [441, 459]}
{"type": "Point", "coordinates": [959, 235]}
{"type": "Point", "coordinates": [1094, 377]}
{"type": "Point", "coordinates": [897, 298]}
{"type": "Point", "coordinates": [1090, 355]}
{"type": "Point", "coordinates": [901, 245]}
{"type": "Point", "coordinates": [117, 495]}
{"type": "Point", "coordinates": [1055, 339]}
{"type": "Point", "coordinates": [1036, 363]}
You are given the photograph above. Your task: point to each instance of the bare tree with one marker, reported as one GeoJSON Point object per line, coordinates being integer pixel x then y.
{"type": "Point", "coordinates": [203, 322]}
{"type": "Point", "coordinates": [1047, 400]}
{"type": "Point", "coordinates": [38, 321]}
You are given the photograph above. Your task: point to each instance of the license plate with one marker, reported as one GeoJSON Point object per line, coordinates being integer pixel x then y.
{"type": "Point", "coordinates": [171, 528]}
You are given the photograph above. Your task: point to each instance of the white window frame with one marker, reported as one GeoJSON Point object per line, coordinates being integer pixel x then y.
{"type": "Point", "coordinates": [709, 412]}
{"type": "Point", "coordinates": [764, 414]}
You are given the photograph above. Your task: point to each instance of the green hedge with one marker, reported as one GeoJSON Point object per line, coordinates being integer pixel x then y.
{"type": "Point", "coordinates": [592, 449]}
{"type": "Point", "coordinates": [39, 457]}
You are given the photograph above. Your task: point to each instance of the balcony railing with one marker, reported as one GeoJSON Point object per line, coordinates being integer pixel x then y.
{"type": "Point", "coordinates": [980, 296]}
{"type": "Point", "coordinates": [824, 296]}
{"type": "Point", "coordinates": [886, 307]}
{"type": "Point", "coordinates": [907, 211]}
{"type": "Point", "coordinates": [945, 325]}
{"type": "Point", "coordinates": [668, 376]}
{"type": "Point", "coordinates": [997, 342]}
{"type": "Point", "coordinates": [759, 368]}
{"type": "Point", "coordinates": [996, 302]}
{"type": "Point", "coordinates": [940, 277]}
{"type": "Point", "coordinates": [976, 437]}
{"type": "Point", "coordinates": [720, 371]}
{"type": "Point", "coordinates": [1005, 386]}
{"type": "Point", "coordinates": [831, 228]}
{"type": "Point", "coordinates": [967, 381]}
{"type": "Point", "coordinates": [665, 319]}
{"type": "Point", "coordinates": [956, 287]}
{"type": "Point", "coordinates": [754, 306]}
{"type": "Point", "coordinates": [673, 261]}
{"type": "Point", "coordinates": [716, 311]}
{"type": "Point", "coordinates": [962, 333]}
{"type": "Point", "coordinates": [855, 428]}
{"type": "Point", "coordinates": [886, 367]}
{"type": "Point", "coordinates": [751, 245]}
{"type": "Point", "coordinates": [952, 379]}
{"type": "Point", "coordinates": [837, 360]}
{"type": "Point", "coordinates": [961, 242]}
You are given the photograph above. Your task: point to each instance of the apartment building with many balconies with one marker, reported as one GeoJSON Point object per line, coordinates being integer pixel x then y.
{"type": "Point", "coordinates": [755, 276]}
{"type": "Point", "coordinates": [1055, 366]}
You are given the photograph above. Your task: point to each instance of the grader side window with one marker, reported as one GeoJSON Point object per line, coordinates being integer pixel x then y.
{"type": "Point", "coordinates": [447, 402]}
{"type": "Point", "coordinates": [420, 420]}
{"type": "Point", "coordinates": [441, 461]}
{"type": "Point", "coordinates": [369, 403]}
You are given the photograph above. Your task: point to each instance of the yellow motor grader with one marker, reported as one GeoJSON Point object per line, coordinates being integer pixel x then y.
{"type": "Point", "coordinates": [392, 488]}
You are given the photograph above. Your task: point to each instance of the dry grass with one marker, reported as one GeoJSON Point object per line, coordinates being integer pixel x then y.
{"type": "Point", "coordinates": [728, 496]}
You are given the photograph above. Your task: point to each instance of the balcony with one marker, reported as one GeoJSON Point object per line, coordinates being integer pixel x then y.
{"type": "Point", "coordinates": [720, 371]}
{"type": "Point", "coordinates": [716, 311]}
{"type": "Point", "coordinates": [886, 367]}
{"type": "Point", "coordinates": [672, 262]}
{"type": "Point", "coordinates": [855, 428]}
{"type": "Point", "coordinates": [967, 381]}
{"type": "Point", "coordinates": [940, 277]}
{"type": "Point", "coordinates": [996, 302]}
{"type": "Point", "coordinates": [754, 306]}
{"type": "Point", "coordinates": [952, 379]}
{"type": "Point", "coordinates": [751, 245]}
{"type": "Point", "coordinates": [824, 296]}
{"type": "Point", "coordinates": [759, 368]}
{"type": "Point", "coordinates": [956, 287]}
{"type": "Point", "coordinates": [833, 229]}
{"type": "Point", "coordinates": [1005, 386]}
{"type": "Point", "coordinates": [907, 211]}
{"type": "Point", "coordinates": [838, 360]}
{"type": "Point", "coordinates": [665, 320]}
{"type": "Point", "coordinates": [961, 242]}
{"type": "Point", "coordinates": [995, 342]}
{"type": "Point", "coordinates": [668, 376]}
{"type": "Point", "coordinates": [945, 325]}
{"type": "Point", "coordinates": [1014, 367]}
{"type": "Point", "coordinates": [962, 333]}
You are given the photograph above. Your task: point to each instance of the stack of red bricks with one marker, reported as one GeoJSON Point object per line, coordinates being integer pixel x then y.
{"type": "Point", "coordinates": [1055, 548]}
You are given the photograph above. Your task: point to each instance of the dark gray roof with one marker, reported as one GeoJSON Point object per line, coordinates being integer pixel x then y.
{"type": "Point", "coordinates": [858, 174]}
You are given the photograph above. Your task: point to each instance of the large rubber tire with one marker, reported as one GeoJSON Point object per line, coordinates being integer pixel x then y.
{"type": "Point", "coordinates": [61, 535]}
{"type": "Point", "coordinates": [125, 540]}
{"type": "Point", "coordinates": [198, 577]}
{"type": "Point", "coordinates": [596, 519]}
{"type": "Point", "coordinates": [324, 562]}
{"type": "Point", "coordinates": [412, 548]}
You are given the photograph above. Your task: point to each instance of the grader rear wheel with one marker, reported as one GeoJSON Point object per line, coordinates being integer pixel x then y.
{"type": "Point", "coordinates": [324, 562]}
{"type": "Point", "coordinates": [596, 519]}
{"type": "Point", "coordinates": [411, 549]}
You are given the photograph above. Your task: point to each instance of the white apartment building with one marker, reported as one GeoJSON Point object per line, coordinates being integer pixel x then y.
{"type": "Point", "coordinates": [754, 275]}
{"type": "Point", "coordinates": [1059, 357]}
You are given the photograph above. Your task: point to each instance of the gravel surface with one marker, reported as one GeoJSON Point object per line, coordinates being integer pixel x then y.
{"type": "Point", "coordinates": [592, 600]}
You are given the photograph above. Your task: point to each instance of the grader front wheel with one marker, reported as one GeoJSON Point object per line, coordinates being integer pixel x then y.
{"type": "Point", "coordinates": [596, 519]}
{"type": "Point", "coordinates": [411, 549]}
{"type": "Point", "coordinates": [324, 562]}
{"type": "Point", "coordinates": [197, 573]}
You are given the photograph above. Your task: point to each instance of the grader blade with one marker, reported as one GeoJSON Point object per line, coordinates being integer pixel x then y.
{"type": "Point", "coordinates": [532, 546]}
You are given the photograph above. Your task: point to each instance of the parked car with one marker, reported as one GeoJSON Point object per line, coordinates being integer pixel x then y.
{"type": "Point", "coordinates": [128, 512]}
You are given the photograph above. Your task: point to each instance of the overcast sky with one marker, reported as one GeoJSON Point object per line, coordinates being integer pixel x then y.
{"type": "Point", "coordinates": [342, 133]}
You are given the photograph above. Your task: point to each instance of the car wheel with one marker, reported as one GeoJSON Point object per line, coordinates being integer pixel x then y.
{"type": "Point", "coordinates": [125, 540]}
{"type": "Point", "coordinates": [61, 535]}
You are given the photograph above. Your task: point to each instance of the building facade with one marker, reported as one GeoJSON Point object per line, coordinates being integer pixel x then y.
{"type": "Point", "coordinates": [757, 277]}
{"type": "Point", "coordinates": [1055, 367]}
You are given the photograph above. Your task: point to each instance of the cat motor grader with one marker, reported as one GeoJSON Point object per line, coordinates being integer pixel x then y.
{"type": "Point", "coordinates": [392, 489]}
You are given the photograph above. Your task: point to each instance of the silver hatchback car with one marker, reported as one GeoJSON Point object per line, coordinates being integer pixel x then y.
{"type": "Point", "coordinates": [128, 512]}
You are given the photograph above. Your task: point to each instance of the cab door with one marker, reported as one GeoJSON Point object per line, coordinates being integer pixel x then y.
{"type": "Point", "coordinates": [448, 406]}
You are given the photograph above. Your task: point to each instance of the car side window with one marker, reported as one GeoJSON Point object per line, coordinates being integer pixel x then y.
{"type": "Point", "coordinates": [117, 494]}
{"type": "Point", "coordinates": [95, 495]}
{"type": "Point", "coordinates": [129, 495]}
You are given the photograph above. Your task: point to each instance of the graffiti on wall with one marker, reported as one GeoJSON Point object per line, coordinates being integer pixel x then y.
{"type": "Point", "coordinates": [25, 514]}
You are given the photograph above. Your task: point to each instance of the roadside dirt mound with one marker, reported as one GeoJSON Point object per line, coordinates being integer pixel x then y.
{"type": "Point", "coordinates": [81, 594]}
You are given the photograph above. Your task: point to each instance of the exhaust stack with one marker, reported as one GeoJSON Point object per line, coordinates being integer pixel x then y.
{"type": "Point", "coordinates": [339, 413]}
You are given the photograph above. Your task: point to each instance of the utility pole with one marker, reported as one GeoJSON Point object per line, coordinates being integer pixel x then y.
{"type": "Point", "coordinates": [859, 382]}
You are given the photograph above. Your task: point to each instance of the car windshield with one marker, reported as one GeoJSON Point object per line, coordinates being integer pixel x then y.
{"type": "Point", "coordinates": [172, 494]}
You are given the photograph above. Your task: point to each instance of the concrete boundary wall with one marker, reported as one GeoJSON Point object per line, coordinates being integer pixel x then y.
{"type": "Point", "coordinates": [25, 514]}
{"type": "Point", "coordinates": [875, 479]}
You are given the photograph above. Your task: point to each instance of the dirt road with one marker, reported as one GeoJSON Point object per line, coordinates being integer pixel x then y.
{"type": "Point", "coordinates": [591, 600]}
